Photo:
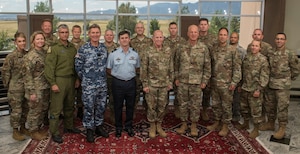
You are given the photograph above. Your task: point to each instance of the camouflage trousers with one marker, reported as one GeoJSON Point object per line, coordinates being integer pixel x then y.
{"type": "Point", "coordinates": [251, 106]}
{"type": "Point", "coordinates": [277, 100]}
{"type": "Point", "coordinates": [222, 103]}
{"type": "Point", "coordinates": [19, 108]}
{"type": "Point", "coordinates": [38, 109]}
{"type": "Point", "coordinates": [94, 102]}
{"type": "Point", "coordinates": [189, 101]}
{"type": "Point", "coordinates": [157, 100]}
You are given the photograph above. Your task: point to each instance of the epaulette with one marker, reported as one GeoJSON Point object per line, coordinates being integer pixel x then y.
{"type": "Point", "coordinates": [114, 50]}
{"type": "Point", "coordinates": [49, 50]}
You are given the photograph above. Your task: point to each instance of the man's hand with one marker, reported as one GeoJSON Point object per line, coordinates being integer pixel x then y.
{"type": "Point", "coordinates": [146, 89]}
{"type": "Point", "coordinates": [55, 88]}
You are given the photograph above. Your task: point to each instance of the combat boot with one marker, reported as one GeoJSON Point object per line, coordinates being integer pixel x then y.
{"type": "Point", "coordinates": [204, 114]}
{"type": "Point", "coordinates": [214, 126]}
{"type": "Point", "coordinates": [152, 130]}
{"type": "Point", "coordinates": [254, 133]}
{"type": "Point", "coordinates": [194, 129]}
{"type": "Point", "coordinates": [243, 126]}
{"type": "Point", "coordinates": [90, 135]}
{"type": "Point", "coordinates": [182, 128]}
{"type": "Point", "coordinates": [101, 132]}
{"type": "Point", "coordinates": [224, 131]}
{"type": "Point", "coordinates": [160, 131]}
{"type": "Point", "coordinates": [280, 133]}
{"type": "Point", "coordinates": [17, 135]}
{"type": "Point", "coordinates": [270, 125]}
{"type": "Point", "coordinates": [36, 135]}
{"type": "Point", "coordinates": [24, 130]}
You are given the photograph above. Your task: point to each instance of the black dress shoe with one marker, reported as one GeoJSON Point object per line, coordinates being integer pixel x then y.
{"type": "Point", "coordinates": [72, 130]}
{"type": "Point", "coordinates": [101, 132]}
{"type": "Point", "coordinates": [118, 133]}
{"type": "Point", "coordinates": [90, 135]}
{"type": "Point", "coordinates": [57, 139]}
{"type": "Point", "coordinates": [130, 132]}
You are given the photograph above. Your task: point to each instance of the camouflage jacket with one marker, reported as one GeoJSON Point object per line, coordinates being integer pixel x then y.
{"type": "Point", "coordinates": [77, 43]}
{"type": "Point", "coordinates": [256, 72]}
{"type": "Point", "coordinates": [157, 67]}
{"type": "Point", "coordinates": [33, 70]}
{"type": "Point", "coordinates": [12, 71]}
{"type": "Point", "coordinates": [193, 64]}
{"type": "Point", "coordinates": [112, 47]}
{"type": "Point", "coordinates": [265, 48]}
{"type": "Point", "coordinates": [140, 45]}
{"type": "Point", "coordinates": [226, 66]}
{"type": "Point", "coordinates": [209, 40]}
{"type": "Point", "coordinates": [284, 67]}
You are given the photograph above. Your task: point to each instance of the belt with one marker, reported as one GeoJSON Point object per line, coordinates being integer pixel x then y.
{"type": "Point", "coordinates": [124, 80]}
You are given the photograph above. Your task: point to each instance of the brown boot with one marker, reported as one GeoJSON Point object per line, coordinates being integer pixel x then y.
{"type": "Point", "coordinates": [213, 126]}
{"type": "Point", "coordinates": [243, 126]}
{"type": "Point", "coordinates": [270, 125]}
{"type": "Point", "coordinates": [17, 135]}
{"type": "Point", "coordinates": [204, 114]}
{"type": "Point", "coordinates": [160, 131]}
{"type": "Point", "coordinates": [254, 133]}
{"type": "Point", "coordinates": [182, 128]}
{"type": "Point", "coordinates": [24, 130]}
{"type": "Point", "coordinates": [194, 129]}
{"type": "Point", "coordinates": [36, 135]}
{"type": "Point", "coordinates": [224, 131]}
{"type": "Point", "coordinates": [152, 130]}
{"type": "Point", "coordinates": [280, 133]}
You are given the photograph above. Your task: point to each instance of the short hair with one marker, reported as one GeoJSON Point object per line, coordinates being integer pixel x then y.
{"type": "Point", "coordinates": [63, 26]}
{"type": "Point", "coordinates": [203, 19]}
{"type": "Point", "coordinates": [19, 34]}
{"type": "Point", "coordinates": [123, 32]}
{"type": "Point", "coordinates": [172, 23]}
{"type": "Point", "coordinates": [46, 20]}
{"type": "Point", "coordinates": [281, 33]}
{"type": "Point", "coordinates": [223, 28]}
{"type": "Point", "coordinates": [76, 26]}
{"type": "Point", "coordinates": [259, 30]}
{"type": "Point", "coordinates": [94, 26]}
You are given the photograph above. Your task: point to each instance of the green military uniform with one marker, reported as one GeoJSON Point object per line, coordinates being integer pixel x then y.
{"type": "Point", "coordinates": [60, 71]}
{"type": "Point", "coordinates": [50, 41]}
{"type": "Point", "coordinates": [157, 74]}
{"type": "Point", "coordinates": [140, 46]}
{"type": "Point", "coordinates": [36, 83]}
{"type": "Point", "coordinates": [12, 79]}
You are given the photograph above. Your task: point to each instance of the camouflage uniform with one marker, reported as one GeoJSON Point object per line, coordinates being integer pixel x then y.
{"type": "Point", "coordinates": [110, 49]}
{"type": "Point", "coordinates": [265, 47]}
{"type": "Point", "coordinates": [90, 65]}
{"type": "Point", "coordinates": [140, 46]}
{"type": "Point", "coordinates": [256, 72]}
{"type": "Point", "coordinates": [157, 74]}
{"type": "Point", "coordinates": [226, 71]}
{"type": "Point", "coordinates": [284, 67]}
{"type": "Point", "coordinates": [209, 40]}
{"type": "Point", "coordinates": [193, 69]}
{"type": "Point", "coordinates": [50, 41]}
{"type": "Point", "coordinates": [12, 79]}
{"type": "Point", "coordinates": [36, 83]}
{"type": "Point", "coordinates": [174, 45]}
{"type": "Point", "coordinates": [59, 70]}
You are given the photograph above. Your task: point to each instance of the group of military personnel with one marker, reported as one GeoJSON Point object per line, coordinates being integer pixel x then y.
{"type": "Point", "coordinates": [204, 71]}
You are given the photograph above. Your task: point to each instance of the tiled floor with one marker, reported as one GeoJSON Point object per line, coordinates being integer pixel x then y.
{"type": "Point", "coordinates": [10, 146]}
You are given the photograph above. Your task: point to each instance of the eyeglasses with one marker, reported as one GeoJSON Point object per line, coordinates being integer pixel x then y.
{"type": "Point", "coordinates": [63, 32]}
{"type": "Point", "coordinates": [279, 39]}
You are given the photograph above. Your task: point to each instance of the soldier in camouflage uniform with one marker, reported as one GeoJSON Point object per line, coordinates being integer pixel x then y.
{"type": "Point", "coordinates": [140, 43]}
{"type": "Point", "coordinates": [90, 65]}
{"type": "Point", "coordinates": [284, 67]}
{"type": "Point", "coordinates": [256, 73]}
{"type": "Point", "coordinates": [234, 41]}
{"type": "Point", "coordinates": [157, 79]}
{"type": "Point", "coordinates": [37, 88]}
{"type": "Point", "coordinates": [13, 80]}
{"type": "Point", "coordinates": [60, 73]}
{"type": "Point", "coordinates": [78, 42]}
{"type": "Point", "coordinates": [191, 76]}
{"type": "Point", "coordinates": [47, 29]}
{"type": "Point", "coordinates": [226, 74]}
{"type": "Point", "coordinates": [209, 40]}
{"type": "Point", "coordinates": [110, 46]}
{"type": "Point", "coordinates": [174, 41]}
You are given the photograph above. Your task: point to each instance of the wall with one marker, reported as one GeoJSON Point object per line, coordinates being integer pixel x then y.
{"type": "Point", "coordinates": [292, 24]}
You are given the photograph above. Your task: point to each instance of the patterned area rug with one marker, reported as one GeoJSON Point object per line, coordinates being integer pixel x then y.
{"type": "Point", "coordinates": [207, 142]}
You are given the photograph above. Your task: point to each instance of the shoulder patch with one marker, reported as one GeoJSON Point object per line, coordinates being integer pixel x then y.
{"type": "Point", "coordinates": [49, 50]}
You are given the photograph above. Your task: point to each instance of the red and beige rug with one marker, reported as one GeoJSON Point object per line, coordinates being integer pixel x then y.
{"type": "Point", "coordinates": [207, 142]}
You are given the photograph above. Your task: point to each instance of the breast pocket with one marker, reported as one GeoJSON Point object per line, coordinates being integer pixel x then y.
{"type": "Point", "coordinates": [132, 61]}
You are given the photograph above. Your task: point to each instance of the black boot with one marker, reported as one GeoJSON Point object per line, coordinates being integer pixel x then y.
{"type": "Point", "coordinates": [101, 132]}
{"type": "Point", "coordinates": [80, 113]}
{"type": "Point", "coordinates": [90, 135]}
